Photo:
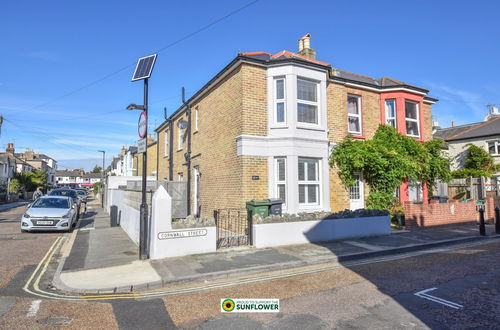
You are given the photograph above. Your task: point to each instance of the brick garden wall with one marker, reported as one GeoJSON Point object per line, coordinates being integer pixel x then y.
{"type": "Point", "coordinates": [439, 214]}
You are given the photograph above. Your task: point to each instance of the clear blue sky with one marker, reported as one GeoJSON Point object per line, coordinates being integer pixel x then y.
{"type": "Point", "coordinates": [52, 48]}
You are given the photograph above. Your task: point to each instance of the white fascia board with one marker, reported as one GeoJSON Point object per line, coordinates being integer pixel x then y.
{"type": "Point", "coordinates": [248, 145]}
{"type": "Point", "coordinates": [379, 90]}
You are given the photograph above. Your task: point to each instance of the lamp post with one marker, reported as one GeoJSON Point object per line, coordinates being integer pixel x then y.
{"type": "Point", "coordinates": [143, 71]}
{"type": "Point", "coordinates": [143, 211]}
{"type": "Point", "coordinates": [102, 177]}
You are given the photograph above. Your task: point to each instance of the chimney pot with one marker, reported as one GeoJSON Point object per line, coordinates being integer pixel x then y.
{"type": "Point", "coordinates": [305, 47]}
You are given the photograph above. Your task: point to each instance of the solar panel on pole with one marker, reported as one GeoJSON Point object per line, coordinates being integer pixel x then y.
{"type": "Point", "coordinates": [144, 67]}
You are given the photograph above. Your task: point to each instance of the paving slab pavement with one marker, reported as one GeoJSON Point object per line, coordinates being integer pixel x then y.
{"type": "Point", "coordinates": [104, 258]}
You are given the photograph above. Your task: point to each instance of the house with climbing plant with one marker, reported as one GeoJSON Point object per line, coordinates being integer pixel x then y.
{"type": "Point", "coordinates": [265, 125]}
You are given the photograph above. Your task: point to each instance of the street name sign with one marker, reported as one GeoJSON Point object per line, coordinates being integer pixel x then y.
{"type": "Point", "coordinates": [182, 234]}
{"type": "Point", "coordinates": [141, 145]}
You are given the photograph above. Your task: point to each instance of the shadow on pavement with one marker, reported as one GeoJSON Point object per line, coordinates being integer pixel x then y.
{"type": "Point", "coordinates": [458, 277]}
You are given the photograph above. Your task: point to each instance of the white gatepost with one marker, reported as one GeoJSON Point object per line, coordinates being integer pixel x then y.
{"type": "Point", "coordinates": [161, 221]}
{"type": "Point", "coordinates": [166, 242]}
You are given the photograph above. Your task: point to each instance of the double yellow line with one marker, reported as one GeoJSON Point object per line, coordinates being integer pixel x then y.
{"type": "Point", "coordinates": [32, 286]}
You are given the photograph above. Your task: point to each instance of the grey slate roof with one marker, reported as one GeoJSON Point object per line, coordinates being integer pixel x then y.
{"type": "Point", "coordinates": [67, 173]}
{"type": "Point", "coordinates": [444, 133]}
{"type": "Point", "coordinates": [92, 175]}
{"type": "Point", "coordinates": [484, 129]}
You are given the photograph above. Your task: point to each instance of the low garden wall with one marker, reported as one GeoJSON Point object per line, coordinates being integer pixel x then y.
{"type": "Point", "coordinates": [190, 236]}
{"type": "Point", "coordinates": [439, 214]}
{"type": "Point", "coordinates": [299, 232]}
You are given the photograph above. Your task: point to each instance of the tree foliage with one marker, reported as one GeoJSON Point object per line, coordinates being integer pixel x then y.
{"type": "Point", "coordinates": [29, 181]}
{"type": "Point", "coordinates": [478, 162]}
{"type": "Point", "coordinates": [97, 169]}
{"type": "Point", "coordinates": [386, 160]}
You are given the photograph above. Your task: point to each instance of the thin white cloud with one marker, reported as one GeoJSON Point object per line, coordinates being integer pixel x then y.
{"type": "Point", "coordinates": [96, 143]}
{"type": "Point", "coordinates": [44, 55]}
{"type": "Point", "coordinates": [471, 100]}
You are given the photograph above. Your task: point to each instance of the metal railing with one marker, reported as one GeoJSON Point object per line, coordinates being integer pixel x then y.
{"type": "Point", "coordinates": [234, 227]}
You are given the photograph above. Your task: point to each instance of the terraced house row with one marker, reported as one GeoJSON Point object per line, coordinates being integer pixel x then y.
{"type": "Point", "coordinates": [265, 126]}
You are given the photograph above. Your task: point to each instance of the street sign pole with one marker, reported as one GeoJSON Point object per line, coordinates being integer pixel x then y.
{"type": "Point", "coordinates": [144, 225]}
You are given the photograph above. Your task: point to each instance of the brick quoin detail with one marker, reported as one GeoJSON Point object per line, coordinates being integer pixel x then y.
{"type": "Point", "coordinates": [439, 214]}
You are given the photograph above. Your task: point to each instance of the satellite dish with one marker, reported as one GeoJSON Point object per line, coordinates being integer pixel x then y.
{"type": "Point", "coordinates": [182, 124]}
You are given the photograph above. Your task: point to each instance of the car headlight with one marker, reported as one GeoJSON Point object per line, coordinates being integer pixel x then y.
{"type": "Point", "coordinates": [66, 215]}
{"type": "Point", "coordinates": [26, 215]}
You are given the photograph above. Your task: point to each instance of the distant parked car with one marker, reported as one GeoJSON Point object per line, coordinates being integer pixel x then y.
{"type": "Point", "coordinates": [50, 213]}
{"type": "Point", "coordinates": [68, 193]}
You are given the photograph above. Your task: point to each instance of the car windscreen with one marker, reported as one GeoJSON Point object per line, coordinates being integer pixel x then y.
{"type": "Point", "coordinates": [81, 192]}
{"type": "Point", "coordinates": [68, 193]}
{"type": "Point", "coordinates": [55, 203]}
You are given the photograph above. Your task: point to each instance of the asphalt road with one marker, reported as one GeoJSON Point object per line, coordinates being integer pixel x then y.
{"type": "Point", "coordinates": [379, 295]}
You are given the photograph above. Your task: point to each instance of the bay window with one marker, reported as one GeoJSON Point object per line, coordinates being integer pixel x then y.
{"type": "Point", "coordinates": [412, 119]}
{"type": "Point", "coordinates": [307, 101]}
{"type": "Point", "coordinates": [279, 100]}
{"type": "Point", "coordinates": [354, 114]}
{"type": "Point", "coordinates": [390, 113]}
{"type": "Point", "coordinates": [309, 183]}
{"type": "Point", "coordinates": [415, 192]}
{"type": "Point", "coordinates": [281, 178]}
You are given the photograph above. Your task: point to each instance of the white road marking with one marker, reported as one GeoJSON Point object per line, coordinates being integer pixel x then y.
{"type": "Point", "coordinates": [423, 294]}
{"type": "Point", "coordinates": [35, 306]}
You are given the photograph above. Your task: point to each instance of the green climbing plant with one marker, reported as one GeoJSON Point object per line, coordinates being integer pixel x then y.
{"type": "Point", "coordinates": [478, 162]}
{"type": "Point", "coordinates": [386, 160]}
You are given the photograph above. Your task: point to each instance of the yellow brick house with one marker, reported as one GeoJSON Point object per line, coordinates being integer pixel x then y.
{"type": "Point", "coordinates": [265, 125]}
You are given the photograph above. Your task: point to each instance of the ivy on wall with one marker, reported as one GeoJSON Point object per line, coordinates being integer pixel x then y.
{"type": "Point", "coordinates": [386, 160]}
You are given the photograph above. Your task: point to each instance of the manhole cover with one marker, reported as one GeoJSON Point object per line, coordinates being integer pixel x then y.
{"type": "Point", "coordinates": [55, 320]}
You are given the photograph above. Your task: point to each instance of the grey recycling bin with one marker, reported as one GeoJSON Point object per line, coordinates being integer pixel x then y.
{"type": "Point", "coordinates": [276, 206]}
{"type": "Point", "coordinates": [113, 216]}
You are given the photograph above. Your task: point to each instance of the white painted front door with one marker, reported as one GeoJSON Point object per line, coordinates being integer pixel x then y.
{"type": "Point", "coordinates": [356, 194]}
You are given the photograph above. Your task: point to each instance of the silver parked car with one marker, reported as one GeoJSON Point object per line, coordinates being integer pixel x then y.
{"type": "Point", "coordinates": [50, 213]}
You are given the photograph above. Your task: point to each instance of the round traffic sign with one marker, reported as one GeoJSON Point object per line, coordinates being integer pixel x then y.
{"type": "Point", "coordinates": [142, 125]}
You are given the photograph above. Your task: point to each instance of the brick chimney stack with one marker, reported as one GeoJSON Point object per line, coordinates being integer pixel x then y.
{"type": "Point", "coordinates": [10, 148]}
{"type": "Point", "coordinates": [305, 47]}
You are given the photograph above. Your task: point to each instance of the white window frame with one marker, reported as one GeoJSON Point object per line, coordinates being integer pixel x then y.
{"type": "Point", "coordinates": [497, 147]}
{"type": "Point", "coordinates": [180, 142]}
{"type": "Point", "coordinates": [387, 117]}
{"type": "Point", "coordinates": [196, 116]}
{"type": "Point", "coordinates": [413, 120]}
{"type": "Point", "coordinates": [313, 103]}
{"type": "Point", "coordinates": [358, 115]}
{"type": "Point", "coordinates": [277, 100]}
{"type": "Point", "coordinates": [279, 182]}
{"type": "Point", "coordinates": [167, 141]}
{"type": "Point", "coordinates": [180, 176]}
{"type": "Point", "coordinates": [307, 183]}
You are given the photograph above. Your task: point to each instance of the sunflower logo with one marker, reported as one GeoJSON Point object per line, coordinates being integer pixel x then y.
{"type": "Point", "coordinates": [228, 305]}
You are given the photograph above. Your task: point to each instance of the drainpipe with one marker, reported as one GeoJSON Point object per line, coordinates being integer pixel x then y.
{"type": "Point", "coordinates": [171, 150]}
{"type": "Point", "coordinates": [170, 145]}
{"type": "Point", "coordinates": [188, 154]}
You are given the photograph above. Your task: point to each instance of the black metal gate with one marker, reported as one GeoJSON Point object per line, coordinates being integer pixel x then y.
{"type": "Point", "coordinates": [234, 227]}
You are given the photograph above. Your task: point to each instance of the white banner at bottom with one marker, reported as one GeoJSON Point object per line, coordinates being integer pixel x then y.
{"type": "Point", "coordinates": [228, 305]}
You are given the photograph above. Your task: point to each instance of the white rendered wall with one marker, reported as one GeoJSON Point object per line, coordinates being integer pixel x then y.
{"type": "Point", "coordinates": [287, 233]}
